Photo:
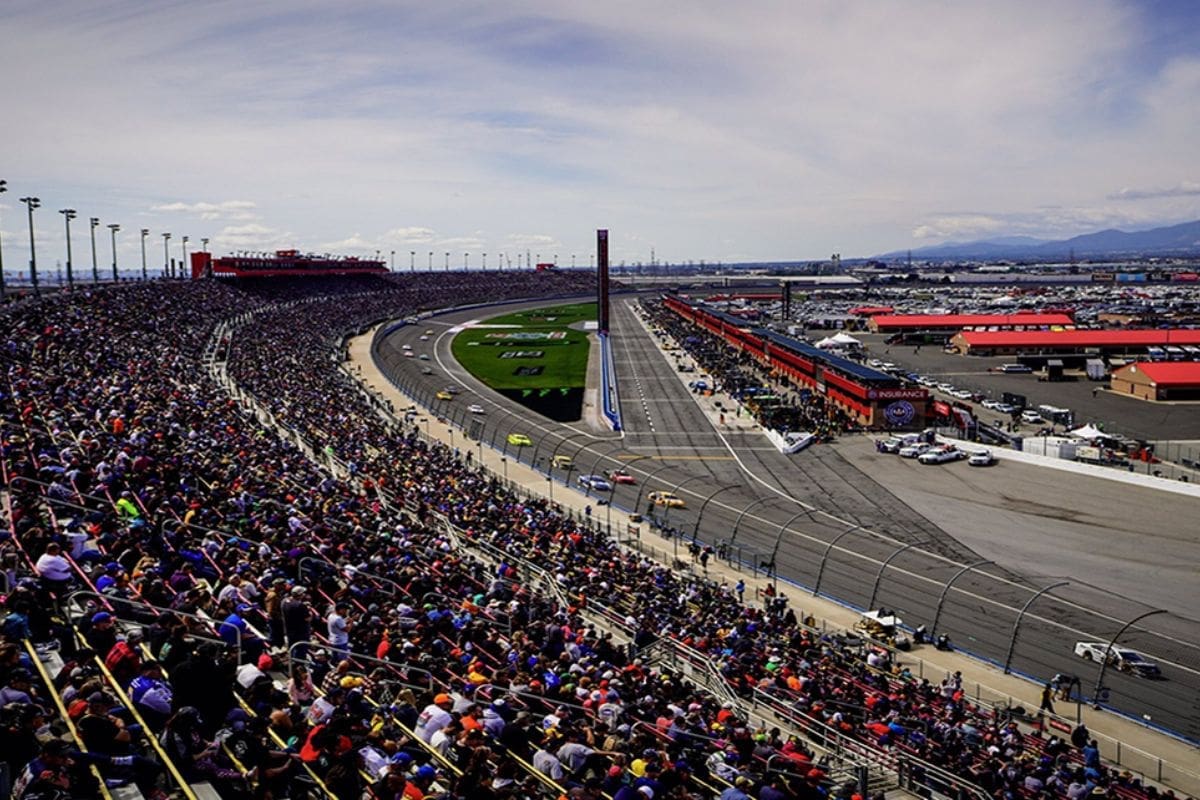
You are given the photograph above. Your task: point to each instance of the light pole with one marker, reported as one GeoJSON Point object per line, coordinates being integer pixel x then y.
{"type": "Point", "coordinates": [485, 262]}
{"type": "Point", "coordinates": [113, 228]}
{"type": "Point", "coordinates": [183, 264]}
{"type": "Point", "coordinates": [392, 268]}
{"type": "Point", "coordinates": [412, 260]}
{"type": "Point", "coordinates": [431, 261]}
{"type": "Point", "coordinates": [465, 267]}
{"type": "Point", "coordinates": [68, 215]}
{"type": "Point", "coordinates": [145, 233]}
{"type": "Point", "coordinates": [572, 261]}
{"type": "Point", "coordinates": [95, 222]}
{"type": "Point", "coordinates": [3, 189]}
{"type": "Point", "coordinates": [447, 261]}
{"type": "Point", "coordinates": [30, 204]}
{"type": "Point", "coordinates": [167, 256]}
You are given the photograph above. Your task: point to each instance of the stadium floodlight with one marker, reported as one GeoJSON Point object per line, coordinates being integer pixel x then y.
{"type": "Point", "coordinates": [113, 228]}
{"type": "Point", "coordinates": [167, 272]}
{"type": "Point", "coordinates": [68, 215]}
{"type": "Point", "coordinates": [30, 204]}
{"type": "Point", "coordinates": [145, 233]}
{"type": "Point", "coordinates": [95, 223]}
{"type": "Point", "coordinates": [183, 264]}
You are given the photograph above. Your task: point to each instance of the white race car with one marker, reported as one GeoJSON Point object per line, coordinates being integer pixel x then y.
{"type": "Point", "coordinates": [1123, 658]}
{"type": "Point", "coordinates": [941, 455]}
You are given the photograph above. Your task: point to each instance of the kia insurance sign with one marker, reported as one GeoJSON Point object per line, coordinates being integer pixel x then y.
{"type": "Point", "coordinates": [897, 394]}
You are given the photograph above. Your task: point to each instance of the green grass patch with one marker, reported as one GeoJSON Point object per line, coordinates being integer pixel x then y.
{"type": "Point", "coordinates": [540, 338]}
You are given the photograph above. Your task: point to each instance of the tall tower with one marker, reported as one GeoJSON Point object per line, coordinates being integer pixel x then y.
{"type": "Point", "coordinates": [602, 280]}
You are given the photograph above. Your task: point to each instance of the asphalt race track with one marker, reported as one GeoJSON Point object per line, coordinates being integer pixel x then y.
{"type": "Point", "coordinates": [929, 526]}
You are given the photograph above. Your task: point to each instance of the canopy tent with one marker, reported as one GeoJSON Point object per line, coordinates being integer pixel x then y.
{"type": "Point", "coordinates": [845, 340]}
{"type": "Point", "coordinates": [828, 343]}
{"type": "Point", "coordinates": [1088, 431]}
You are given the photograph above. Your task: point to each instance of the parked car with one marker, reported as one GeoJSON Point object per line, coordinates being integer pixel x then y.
{"type": "Point", "coordinates": [982, 458]}
{"type": "Point", "coordinates": [994, 405]}
{"type": "Point", "coordinates": [621, 476]}
{"type": "Point", "coordinates": [1123, 658]}
{"type": "Point", "coordinates": [914, 450]}
{"type": "Point", "coordinates": [519, 440]}
{"type": "Point", "coordinates": [668, 499]}
{"type": "Point", "coordinates": [1032, 417]}
{"type": "Point", "coordinates": [596, 483]}
{"type": "Point", "coordinates": [942, 455]}
{"type": "Point", "coordinates": [893, 444]}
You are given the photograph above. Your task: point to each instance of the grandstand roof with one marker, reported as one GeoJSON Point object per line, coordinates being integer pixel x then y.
{"type": "Point", "coordinates": [1166, 373]}
{"type": "Point", "coordinates": [1093, 338]}
{"type": "Point", "coordinates": [852, 368]}
{"type": "Point", "coordinates": [883, 321]}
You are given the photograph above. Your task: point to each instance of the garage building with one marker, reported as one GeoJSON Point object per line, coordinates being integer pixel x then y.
{"type": "Point", "coordinates": [909, 323]}
{"type": "Point", "coordinates": [1159, 380]}
{"type": "Point", "coordinates": [1090, 342]}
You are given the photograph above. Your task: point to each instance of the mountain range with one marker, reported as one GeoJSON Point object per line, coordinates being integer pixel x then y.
{"type": "Point", "coordinates": [1182, 239]}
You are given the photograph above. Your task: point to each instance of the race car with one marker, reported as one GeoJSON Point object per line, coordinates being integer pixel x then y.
{"type": "Point", "coordinates": [668, 499]}
{"type": "Point", "coordinates": [621, 476]}
{"type": "Point", "coordinates": [1123, 658]}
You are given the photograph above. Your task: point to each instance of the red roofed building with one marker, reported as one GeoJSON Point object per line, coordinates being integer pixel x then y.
{"type": "Point", "coordinates": [1159, 380]}
{"type": "Point", "coordinates": [898, 323]}
{"type": "Point", "coordinates": [997, 343]}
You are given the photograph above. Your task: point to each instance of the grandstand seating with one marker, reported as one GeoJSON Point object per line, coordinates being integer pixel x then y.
{"type": "Point", "coordinates": [227, 548]}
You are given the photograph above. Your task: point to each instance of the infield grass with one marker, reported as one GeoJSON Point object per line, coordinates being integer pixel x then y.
{"type": "Point", "coordinates": [546, 331]}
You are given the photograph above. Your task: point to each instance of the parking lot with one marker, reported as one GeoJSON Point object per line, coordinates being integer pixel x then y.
{"type": "Point", "coordinates": [1158, 422]}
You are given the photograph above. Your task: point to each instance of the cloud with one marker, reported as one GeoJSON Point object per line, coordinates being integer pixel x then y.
{"type": "Point", "coordinates": [409, 235]}
{"type": "Point", "coordinates": [1183, 189]}
{"type": "Point", "coordinates": [251, 237]}
{"type": "Point", "coordinates": [769, 131]}
{"type": "Point", "coordinates": [228, 209]}
{"type": "Point", "coordinates": [952, 226]}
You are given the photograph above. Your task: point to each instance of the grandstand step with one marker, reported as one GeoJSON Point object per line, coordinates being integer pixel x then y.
{"type": "Point", "coordinates": [52, 660]}
{"type": "Point", "coordinates": [128, 791]}
{"type": "Point", "coordinates": [204, 791]}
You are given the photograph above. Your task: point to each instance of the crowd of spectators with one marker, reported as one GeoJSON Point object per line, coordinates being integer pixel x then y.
{"type": "Point", "coordinates": [224, 609]}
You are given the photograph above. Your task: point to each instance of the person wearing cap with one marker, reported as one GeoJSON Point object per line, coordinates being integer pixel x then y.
{"type": "Point", "coordinates": [101, 635]}
{"type": "Point", "coordinates": [434, 717]}
{"type": "Point", "coordinates": [19, 688]}
{"type": "Point", "coordinates": [741, 785]}
{"type": "Point", "coordinates": [418, 785]}
{"type": "Point", "coordinates": [152, 695]}
{"type": "Point", "coordinates": [49, 770]}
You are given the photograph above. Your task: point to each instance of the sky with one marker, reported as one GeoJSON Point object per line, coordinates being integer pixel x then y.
{"type": "Point", "coordinates": [693, 131]}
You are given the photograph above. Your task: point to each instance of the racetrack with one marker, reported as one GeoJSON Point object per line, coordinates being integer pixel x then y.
{"type": "Point", "coordinates": [1039, 528]}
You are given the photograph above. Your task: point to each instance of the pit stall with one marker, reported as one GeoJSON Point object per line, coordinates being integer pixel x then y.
{"type": "Point", "coordinates": [872, 398]}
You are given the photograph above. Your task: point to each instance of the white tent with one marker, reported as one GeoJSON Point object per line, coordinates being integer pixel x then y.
{"type": "Point", "coordinates": [1087, 432]}
{"type": "Point", "coordinates": [846, 340]}
{"type": "Point", "coordinates": [828, 342]}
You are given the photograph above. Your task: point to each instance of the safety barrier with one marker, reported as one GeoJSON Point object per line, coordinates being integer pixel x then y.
{"type": "Point", "coordinates": [610, 401]}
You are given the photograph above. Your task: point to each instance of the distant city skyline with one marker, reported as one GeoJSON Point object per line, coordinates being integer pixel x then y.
{"type": "Point", "coordinates": [748, 132]}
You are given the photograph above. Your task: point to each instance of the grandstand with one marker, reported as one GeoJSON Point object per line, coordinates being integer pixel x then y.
{"type": "Point", "coordinates": [231, 573]}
